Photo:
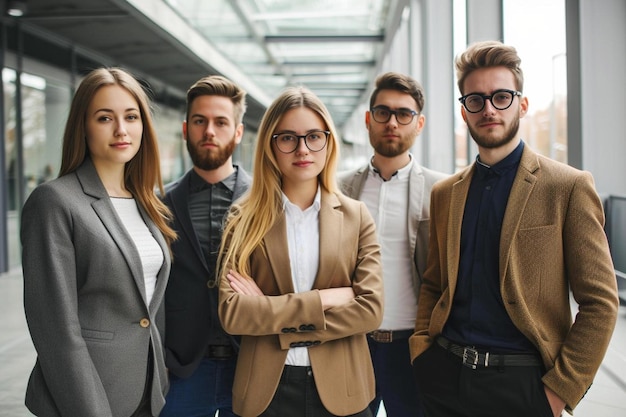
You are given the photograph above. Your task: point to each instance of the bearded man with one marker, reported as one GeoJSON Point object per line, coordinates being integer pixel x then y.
{"type": "Point", "coordinates": [396, 190]}
{"type": "Point", "coordinates": [200, 356]}
{"type": "Point", "coordinates": [514, 238]}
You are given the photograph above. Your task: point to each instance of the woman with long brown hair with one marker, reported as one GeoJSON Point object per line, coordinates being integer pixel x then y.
{"type": "Point", "coordinates": [96, 260]}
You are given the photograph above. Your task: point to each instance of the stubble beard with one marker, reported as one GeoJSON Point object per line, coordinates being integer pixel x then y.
{"type": "Point", "coordinates": [211, 158]}
{"type": "Point", "coordinates": [487, 142]}
{"type": "Point", "coordinates": [390, 149]}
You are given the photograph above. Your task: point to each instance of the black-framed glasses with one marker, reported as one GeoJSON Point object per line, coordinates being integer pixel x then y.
{"type": "Point", "coordinates": [288, 142]}
{"type": "Point", "coordinates": [382, 114]}
{"type": "Point", "coordinates": [500, 100]}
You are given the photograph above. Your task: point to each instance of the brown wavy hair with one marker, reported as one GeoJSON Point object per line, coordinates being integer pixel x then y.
{"type": "Point", "coordinates": [142, 174]}
{"type": "Point", "coordinates": [488, 54]}
{"type": "Point", "coordinates": [402, 83]}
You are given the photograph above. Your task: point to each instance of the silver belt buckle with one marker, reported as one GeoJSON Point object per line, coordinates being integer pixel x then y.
{"type": "Point", "coordinates": [470, 357]}
{"type": "Point", "coordinates": [382, 336]}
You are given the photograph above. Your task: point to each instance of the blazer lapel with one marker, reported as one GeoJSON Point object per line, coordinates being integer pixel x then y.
{"type": "Point", "coordinates": [458, 198]}
{"type": "Point", "coordinates": [180, 208]}
{"type": "Point", "coordinates": [416, 204]}
{"type": "Point", "coordinates": [277, 249]}
{"type": "Point", "coordinates": [331, 227]}
{"type": "Point", "coordinates": [523, 185]}
{"type": "Point", "coordinates": [276, 246]}
{"type": "Point", "coordinates": [352, 183]}
{"type": "Point", "coordinates": [241, 184]}
{"type": "Point", "coordinates": [90, 181]}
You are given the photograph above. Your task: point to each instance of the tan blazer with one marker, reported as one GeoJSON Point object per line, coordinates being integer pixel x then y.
{"type": "Point", "coordinates": [552, 242]}
{"type": "Point", "coordinates": [349, 255]}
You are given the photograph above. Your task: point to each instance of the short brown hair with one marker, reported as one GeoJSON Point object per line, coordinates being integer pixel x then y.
{"type": "Point", "coordinates": [216, 85]}
{"type": "Point", "coordinates": [488, 54]}
{"type": "Point", "coordinates": [402, 83]}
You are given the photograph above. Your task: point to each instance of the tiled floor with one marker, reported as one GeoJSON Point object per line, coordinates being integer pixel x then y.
{"type": "Point", "coordinates": [606, 398]}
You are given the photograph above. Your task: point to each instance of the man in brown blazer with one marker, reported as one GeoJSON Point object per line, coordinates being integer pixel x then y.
{"type": "Point", "coordinates": [510, 237]}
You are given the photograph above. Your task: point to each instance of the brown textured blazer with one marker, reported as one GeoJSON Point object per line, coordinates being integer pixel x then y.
{"type": "Point", "coordinates": [270, 325]}
{"type": "Point", "coordinates": [552, 242]}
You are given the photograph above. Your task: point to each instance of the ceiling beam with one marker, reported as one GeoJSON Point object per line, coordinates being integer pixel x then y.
{"type": "Point", "coordinates": [323, 38]}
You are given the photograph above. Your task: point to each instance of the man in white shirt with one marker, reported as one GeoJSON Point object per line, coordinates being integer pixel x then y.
{"type": "Point", "coordinates": [396, 190]}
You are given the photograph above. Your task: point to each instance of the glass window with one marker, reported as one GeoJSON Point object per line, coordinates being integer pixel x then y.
{"type": "Point", "coordinates": [329, 46]}
{"type": "Point", "coordinates": [462, 140]}
{"type": "Point", "coordinates": [12, 166]}
{"type": "Point", "coordinates": [45, 106]}
{"type": "Point", "coordinates": [168, 124]}
{"type": "Point", "coordinates": [10, 145]}
{"type": "Point", "coordinates": [545, 76]}
{"type": "Point", "coordinates": [44, 110]}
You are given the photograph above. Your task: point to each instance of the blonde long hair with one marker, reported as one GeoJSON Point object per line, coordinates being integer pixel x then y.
{"type": "Point", "coordinates": [142, 173]}
{"type": "Point", "coordinates": [257, 211]}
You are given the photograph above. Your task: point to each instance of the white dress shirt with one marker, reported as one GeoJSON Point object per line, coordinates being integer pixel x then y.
{"type": "Point", "coordinates": [388, 202]}
{"type": "Point", "coordinates": [303, 239]}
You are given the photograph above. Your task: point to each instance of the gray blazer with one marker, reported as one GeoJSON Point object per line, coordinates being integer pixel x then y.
{"type": "Point", "coordinates": [85, 303]}
{"type": "Point", "coordinates": [421, 181]}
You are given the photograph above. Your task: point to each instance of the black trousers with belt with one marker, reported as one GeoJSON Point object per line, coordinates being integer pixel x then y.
{"type": "Point", "coordinates": [297, 396]}
{"type": "Point", "coordinates": [453, 389]}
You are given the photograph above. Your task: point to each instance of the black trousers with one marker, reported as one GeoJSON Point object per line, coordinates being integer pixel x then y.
{"type": "Point", "coordinates": [451, 389]}
{"type": "Point", "coordinates": [297, 396]}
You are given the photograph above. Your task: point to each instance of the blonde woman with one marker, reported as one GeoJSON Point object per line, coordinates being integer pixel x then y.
{"type": "Point", "coordinates": [301, 278]}
{"type": "Point", "coordinates": [96, 260]}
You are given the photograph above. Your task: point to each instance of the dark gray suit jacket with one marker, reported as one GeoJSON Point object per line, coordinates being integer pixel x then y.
{"type": "Point", "coordinates": [85, 303]}
{"type": "Point", "coordinates": [191, 307]}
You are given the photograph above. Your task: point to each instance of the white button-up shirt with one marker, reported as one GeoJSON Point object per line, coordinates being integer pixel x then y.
{"type": "Point", "coordinates": [388, 202]}
{"type": "Point", "coordinates": [303, 239]}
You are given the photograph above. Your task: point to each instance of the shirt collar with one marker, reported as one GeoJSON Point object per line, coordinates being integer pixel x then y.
{"type": "Point", "coordinates": [510, 162]}
{"type": "Point", "coordinates": [197, 183]}
{"type": "Point", "coordinates": [400, 174]}
{"type": "Point", "coordinates": [317, 201]}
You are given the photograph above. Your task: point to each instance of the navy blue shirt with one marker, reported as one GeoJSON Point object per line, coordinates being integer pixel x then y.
{"type": "Point", "coordinates": [478, 317]}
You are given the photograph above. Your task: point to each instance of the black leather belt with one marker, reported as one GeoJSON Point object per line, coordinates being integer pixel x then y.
{"type": "Point", "coordinates": [219, 352]}
{"type": "Point", "coordinates": [291, 372]}
{"type": "Point", "coordinates": [473, 359]}
{"type": "Point", "coordinates": [388, 336]}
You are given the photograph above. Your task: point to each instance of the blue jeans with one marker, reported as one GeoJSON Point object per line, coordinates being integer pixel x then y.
{"type": "Point", "coordinates": [206, 391]}
{"type": "Point", "coordinates": [395, 381]}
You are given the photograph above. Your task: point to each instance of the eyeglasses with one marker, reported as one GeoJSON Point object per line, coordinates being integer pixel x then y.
{"type": "Point", "coordinates": [289, 142]}
{"type": "Point", "coordinates": [382, 114]}
{"type": "Point", "coordinates": [500, 100]}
